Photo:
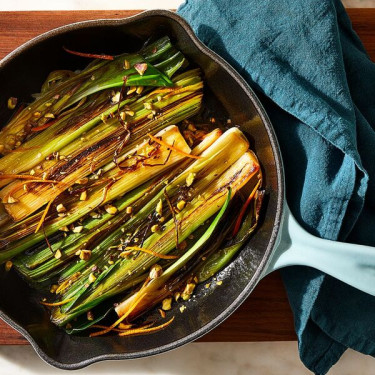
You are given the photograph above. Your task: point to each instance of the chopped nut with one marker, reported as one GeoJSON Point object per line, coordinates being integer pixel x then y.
{"type": "Point", "coordinates": [82, 181]}
{"type": "Point", "coordinates": [130, 113]}
{"type": "Point", "coordinates": [181, 205]}
{"type": "Point", "coordinates": [110, 209]}
{"type": "Point", "coordinates": [37, 114]}
{"type": "Point", "coordinates": [92, 278]}
{"type": "Point", "coordinates": [48, 104]}
{"type": "Point", "coordinates": [131, 90]}
{"type": "Point", "coordinates": [182, 308]}
{"type": "Point", "coordinates": [95, 215]}
{"type": "Point", "coordinates": [156, 271]}
{"type": "Point", "coordinates": [64, 229]}
{"type": "Point", "coordinates": [116, 98]}
{"type": "Point", "coordinates": [162, 219]}
{"type": "Point", "coordinates": [83, 196]}
{"type": "Point", "coordinates": [167, 304]}
{"type": "Point", "coordinates": [139, 89]}
{"type": "Point", "coordinates": [78, 229]}
{"type": "Point", "coordinates": [53, 288]}
{"type": "Point", "coordinates": [190, 179]}
{"type": "Point", "coordinates": [12, 102]}
{"type": "Point", "coordinates": [126, 64]}
{"type": "Point", "coordinates": [49, 115]}
{"type": "Point", "coordinates": [8, 265]}
{"type": "Point", "coordinates": [188, 291]}
{"type": "Point", "coordinates": [32, 172]}
{"type": "Point", "coordinates": [192, 127]}
{"type": "Point", "coordinates": [177, 296]}
{"type": "Point", "coordinates": [123, 116]}
{"type": "Point", "coordinates": [219, 282]}
{"type": "Point", "coordinates": [111, 262]}
{"type": "Point", "coordinates": [90, 315]}
{"type": "Point", "coordinates": [11, 199]}
{"type": "Point", "coordinates": [60, 208]}
{"type": "Point", "coordinates": [159, 207]}
{"type": "Point", "coordinates": [58, 254]}
{"type": "Point", "coordinates": [207, 285]}
{"type": "Point", "coordinates": [85, 254]}
{"type": "Point", "coordinates": [129, 210]}
{"type": "Point", "coordinates": [155, 228]}
{"type": "Point", "coordinates": [148, 105]}
{"type": "Point", "coordinates": [162, 313]}
{"type": "Point", "coordinates": [140, 68]}
{"type": "Point", "coordinates": [61, 214]}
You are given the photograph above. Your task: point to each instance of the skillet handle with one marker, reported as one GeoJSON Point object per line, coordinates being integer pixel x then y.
{"type": "Point", "coordinates": [352, 264]}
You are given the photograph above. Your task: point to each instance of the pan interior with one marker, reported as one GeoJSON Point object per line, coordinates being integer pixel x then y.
{"type": "Point", "coordinates": [225, 95]}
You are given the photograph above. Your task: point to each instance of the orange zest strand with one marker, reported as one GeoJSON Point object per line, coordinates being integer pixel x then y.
{"type": "Point", "coordinates": [42, 127]}
{"type": "Point", "coordinates": [41, 221]}
{"type": "Point", "coordinates": [151, 252]}
{"type": "Point", "coordinates": [170, 147]}
{"type": "Point", "coordinates": [118, 321]}
{"type": "Point", "coordinates": [243, 209]}
{"type": "Point", "coordinates": [105, 327]}
{"type": "Point", "coordinates": [58, 303]}
{"type": "Point", "coordinates": [90, 55]}
{"type": "Point", "coordinates": [142, 331]}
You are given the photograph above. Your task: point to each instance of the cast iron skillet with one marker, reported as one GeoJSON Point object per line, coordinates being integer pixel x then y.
{"type": "Point", "coordinates": [22, 73]}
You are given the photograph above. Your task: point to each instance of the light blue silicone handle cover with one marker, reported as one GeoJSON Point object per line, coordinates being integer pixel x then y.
{"type": "Point", "coordinates": [352, 264]}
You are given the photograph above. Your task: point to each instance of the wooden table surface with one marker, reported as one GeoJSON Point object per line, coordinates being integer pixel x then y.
{"type": "Point", "coordinates": [265, 315]}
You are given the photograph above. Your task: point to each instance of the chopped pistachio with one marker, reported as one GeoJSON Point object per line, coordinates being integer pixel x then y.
{"type": "Point", "coordinates": [190, 179]}
{"type": "Point", "coordinates": [159, 207]}
{"type": "Point", "coordinates": [90, 315]}
{"type": "Point", "coordinates": [8, 265]}
{"type": "Point", "coordinates": [167, 304]}
{"type": "Point", "coordinates": [37, 114]}
{"type": "Point", "coordinates": [92, 278]}
{"type": "Point", "coordinates": [148, 105]}
{"type": "Point", "coordinates": [116, 98]}
{"type": "Point", "coordinates": [207, 285]}
{"type": "Point", "coordinates": [111, 262]}
{"type": "Point", "coordinates": [82, 181]}
{"type": "Point", "coordinates": [156, 271]}
{"type": "Point", "coordinates": [140, 68]}
{"type": "Point", "coordinates": [95, 215]}
{"type": "Point", "coordinates": [49, 115]}
{"type": "Point", "coordinates": [60, 208]}
{"type": "Point", "coordinates": [83, 196]}
{"type": "Point", "coordinates": [155, 228]}
{"type": "Point", "coordinates": [85, 254]}
{"type": "Point", "coordinates": [48, 104]}
{"type": "Point", "coordinates": [126, 64]}
{"type": "Point", "coordinates": [129, 210]}
{"type": "Point", "coordinates": [188, 291]}
{"type": "Point", "coordinates": [64, 229]}
{"type": "Point", "coordinates": [162, 219]}
{"type": "Point", "coordinates": [78, 229]}
{"type": "Point", "coordinates": [182, 308]}
{"type": "Point", "coordinates": [61, 214]}
{"type": "Point", "coordinates": [11, 199]}
{"type": "Point", "coordinates": [131, 90]}
{"type": "Point", "coordinates": [53, 288]}
{"type": "Point", "coordinates": [130, 113]}
{"type": "Point", "coordinates": [139, 90]}
{"type": "Point", "coordinates": [123, 116]}
{"type": "Point", "coordinates": [181, 204]}
{"type": "Point", "coordinates": [219, 282]}
{"type": "Point", "coordinates": [32, 172]}
{"type": "Point", "coordinates": [110, 209]}
{"type": "Point", "coordinates": [58, 254]}
{"type": "Point", "coordinates": [12, 102]}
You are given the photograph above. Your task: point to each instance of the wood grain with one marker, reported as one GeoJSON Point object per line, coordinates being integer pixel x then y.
{"type": "Point", "coordinates": [265, 315]}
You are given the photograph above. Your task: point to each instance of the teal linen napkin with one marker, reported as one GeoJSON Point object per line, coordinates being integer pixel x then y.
{"type": "Point", "coordinates": [317, 84]}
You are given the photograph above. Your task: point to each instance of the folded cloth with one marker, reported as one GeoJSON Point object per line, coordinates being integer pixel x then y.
{"type": "Point", "coordinates": [317, 84]}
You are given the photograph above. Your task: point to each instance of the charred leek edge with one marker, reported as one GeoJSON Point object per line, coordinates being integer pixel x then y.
{"type": "Point", "coordinates": [159, 282]}
{"type": "Point", "coordinates": [220, 259]}
{"type": "Point", "coordinates": [199, 210]}
{"type": "Point", "coordinates": [97, 76]}
{"type": "Point", "coordinates": [41, 262]}
{"type": "Point", "coordinates": [30, 201]}
{"type": "Point", "coordinates": [125, 183]}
